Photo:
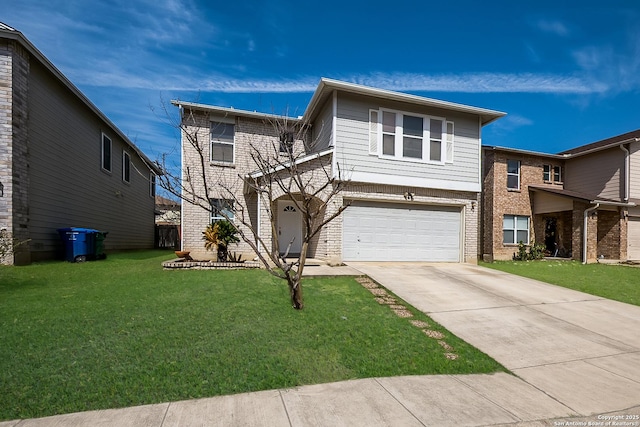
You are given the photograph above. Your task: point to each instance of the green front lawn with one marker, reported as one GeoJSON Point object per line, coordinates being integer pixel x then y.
{"type": "Point", "coordinates": [616, 282]}
{"type": "Point", "coordinates": [124, 332]}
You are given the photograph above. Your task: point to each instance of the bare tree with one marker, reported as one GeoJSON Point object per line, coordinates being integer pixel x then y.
{"type": "Point", "coordinates": [284, 164]}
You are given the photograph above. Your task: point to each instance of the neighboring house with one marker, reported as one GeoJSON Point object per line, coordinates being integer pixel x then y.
{"type": "Point", "coordinates": [412, 166]}
{"type": "Point", "coordinates": [167, 223]}
{"type": "Point", "coordinates": [63, 163]}
{"type": "Point", "coordinates": [550, 198]}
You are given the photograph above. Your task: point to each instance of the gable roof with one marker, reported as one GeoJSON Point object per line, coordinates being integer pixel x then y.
{"type": "Point", "coordinates": [10, 33]}
{"type": "Point", "coordinates": [327, 86]}
{"type": "Point", "coordinates": [325, 89]}
{"type": "Point", "coordinates": [523, 152]}
{"type": "Point", "coordinates": [604, 144]}
{"type": "Point", "coordinates": [575, 195]}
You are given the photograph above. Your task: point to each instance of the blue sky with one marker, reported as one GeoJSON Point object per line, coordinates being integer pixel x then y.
{"type": "Point", "coordinates": [567, 73]}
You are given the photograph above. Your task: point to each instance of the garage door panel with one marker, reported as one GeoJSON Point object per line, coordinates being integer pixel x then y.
{"type": "Point", "coordinates": [391, 232]}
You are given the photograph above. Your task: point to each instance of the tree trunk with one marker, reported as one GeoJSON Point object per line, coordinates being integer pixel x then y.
{"type": "Point", "coordinates": [295, 289]}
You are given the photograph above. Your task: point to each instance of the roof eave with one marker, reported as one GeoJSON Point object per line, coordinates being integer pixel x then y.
{"type": "Point", "coordinates": [329, 85]}
{"type": "Point", "coordinates": [230, 111]}
{"type": "Point", "coordinates": [30, 47]}
{"type": "Point", "coordinates": [526, 152]}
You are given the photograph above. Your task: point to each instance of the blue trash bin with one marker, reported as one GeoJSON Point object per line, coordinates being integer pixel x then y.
{"type": "Point", "coordinates": [79, 243]}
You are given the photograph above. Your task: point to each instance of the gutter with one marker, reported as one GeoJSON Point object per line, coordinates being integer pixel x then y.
{"type": "Point", "coordinates": [604, 147]}
{"type": "Point", "coordinates": [584, 230]}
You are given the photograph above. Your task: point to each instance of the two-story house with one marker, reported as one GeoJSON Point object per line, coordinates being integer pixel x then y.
{"type": "Point", "coordinates": [580, 203]}
{"type": "Point", "coordinates": [63, 163]}
{"type": "Point", "coordinates": [410, 165]}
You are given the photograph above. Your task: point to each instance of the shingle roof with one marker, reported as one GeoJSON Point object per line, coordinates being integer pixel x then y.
{"type": "Point", "coordinates": [576, 195]}
{"type": "Point", "coordinates": [603, 143]}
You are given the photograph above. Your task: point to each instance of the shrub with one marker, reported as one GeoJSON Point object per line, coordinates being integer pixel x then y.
{"type": "Point", "coordinates": [535, 251]}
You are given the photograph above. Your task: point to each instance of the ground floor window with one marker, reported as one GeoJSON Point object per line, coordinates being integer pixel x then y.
{"type": "Point", "coordinates": [221, 209]}
{"type": "Point", "coordinates": [515, 229]}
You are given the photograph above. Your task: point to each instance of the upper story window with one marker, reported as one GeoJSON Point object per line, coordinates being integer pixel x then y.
{"type": "Point", "coordinates": [106, 153]}
{"type": "Point", "coordinates": [126, 167]}
{"type": "Point", "coordinates": [152, 184]}
{"type": "Point", "coordinates": [222, 142]}
{"type": "Point", "coordinates": [286, 142]}
{"type": "Point", "coordinates": [221, 209]}
{"type": "Point", "coordinates": [513, 174]}
{"type": "Point", "coordinates": [552, 173]}
{"type": "Point", "coordinates": [411, 137]}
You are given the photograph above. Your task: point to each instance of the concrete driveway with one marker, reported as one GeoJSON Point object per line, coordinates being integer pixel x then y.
{"type": "Point", "coordinates": [582, 350]}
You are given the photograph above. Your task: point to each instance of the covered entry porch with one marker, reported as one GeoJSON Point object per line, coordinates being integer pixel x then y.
{"type": "Point", "coordinates": [579, 226]}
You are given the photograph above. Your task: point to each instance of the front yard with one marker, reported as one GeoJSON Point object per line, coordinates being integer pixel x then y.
{"type": "Point", "coordinates": [124, 332]}
{"type": "Point", "coordinates": [616, 282]}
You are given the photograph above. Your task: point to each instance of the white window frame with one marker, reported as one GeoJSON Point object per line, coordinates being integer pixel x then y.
{"type": "Point", "coordinates": [152, 184]}
{"type": "Point", "coordinates": [550, 174]}
{"type": "Point", "coordinates": [515, 229]}
{"type": "Point", "coordinates": [216, 207]}
{"type": "Point", "coordinates": [218, 140]}
{"type": "Point", "coordinates": [517, 174]}
{"type": "Point", "coordinates": [126, 167]}
{"type": "Point", "coordinates": [376, 137]}
{"type": "Point", "coordinates": [105, 139]}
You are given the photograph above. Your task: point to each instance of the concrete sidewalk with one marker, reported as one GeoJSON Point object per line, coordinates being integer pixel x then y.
{"type": "Point", "coordinates": [439, 400]}
{"type": "Point", "coordinates": [576, 357]}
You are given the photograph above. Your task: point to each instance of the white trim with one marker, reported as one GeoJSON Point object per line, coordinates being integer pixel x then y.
{"type": "Point", "coordinates": [110, 170]}
{"type": "Point", "coordinates": [152, 185]}
{"type": "Point", "coordinates": [486, 116]}
{"type": "Point", "coordinates": [259, 216]}
{"type": "Point", "coordinates": [441, 184]}
{"type": "Point", "coordinates": [512, 174]}
{"type": "Point", "coordinates": [480, 156]}
{"type": "Point", "coordinates": [399, 137]}
{"type": "Point", "coordinates": [334, 133]}
{"type": "Point", "coordinates": [449, 138]}
{"type": "Point", "coordinates": [126, 161]}
{"type": "Point", "coordinates": [374, 131]}
{"type": "Point", "coordinates": [298, 161]}
{"type": "Point", "coordinates": [213, 140]}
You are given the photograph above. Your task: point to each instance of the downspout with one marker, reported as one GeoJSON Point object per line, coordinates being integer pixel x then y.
{"type": "Point", "coordinates": [181, 112]}
{"type": "Point", "coordinates": [259, 218]}
{"type": "Point", "coordinates": [584, 230]}
{"type": "Point", "coordinates": [627, 166]}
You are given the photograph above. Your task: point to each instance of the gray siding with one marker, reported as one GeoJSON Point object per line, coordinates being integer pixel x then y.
{"type": "Point", "coordinates": [352, 132]}
{"type": "Point", "coordinates": [634, 176]}
{"type": "Point", "coordinates": [597, 174]}
{"type": "Point", "coordinates": [67, 186]}
{"type": "Point", "coordinates": [322, 128]}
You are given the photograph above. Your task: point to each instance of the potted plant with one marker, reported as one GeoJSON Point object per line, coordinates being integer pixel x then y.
{"type": "Point", "coordinates": [218, 236]}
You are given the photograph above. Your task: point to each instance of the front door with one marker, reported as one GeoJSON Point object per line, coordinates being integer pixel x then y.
{"type": "Point", "coordinates": [289, 227]}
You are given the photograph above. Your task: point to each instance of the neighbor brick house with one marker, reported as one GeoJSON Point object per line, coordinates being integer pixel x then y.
{"type": "Point", "coordinates": [551, 199]}
{"type": "Point", "coordinates": [63, 163]}
{"type": "Point", "coordinates": [410, 165]}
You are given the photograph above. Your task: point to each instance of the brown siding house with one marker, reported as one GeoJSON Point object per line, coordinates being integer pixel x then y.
{"type": "Point", "coordinates": [578, 203]}
{"type": "Point", "coordinates": [63, 163]}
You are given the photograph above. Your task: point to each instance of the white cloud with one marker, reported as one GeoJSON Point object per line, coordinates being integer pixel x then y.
{"type": "Point", "coordinates": [552, 27]}
{"type": "Point", "coordinates": [619, 65]}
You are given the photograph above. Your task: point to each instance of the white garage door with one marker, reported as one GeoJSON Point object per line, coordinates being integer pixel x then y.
{"type": "Point", "coordinates": [401, 232]}
{"type": "Point", "coordinates": [633, 238]}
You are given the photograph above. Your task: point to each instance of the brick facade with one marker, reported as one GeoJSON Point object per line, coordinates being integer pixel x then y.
{"type": "Point", "coordinates": [498, 200]}
{"type": "Point", "coordinates": [14, 173]}
{"type": "Point", "coordinates": [606, 226]}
